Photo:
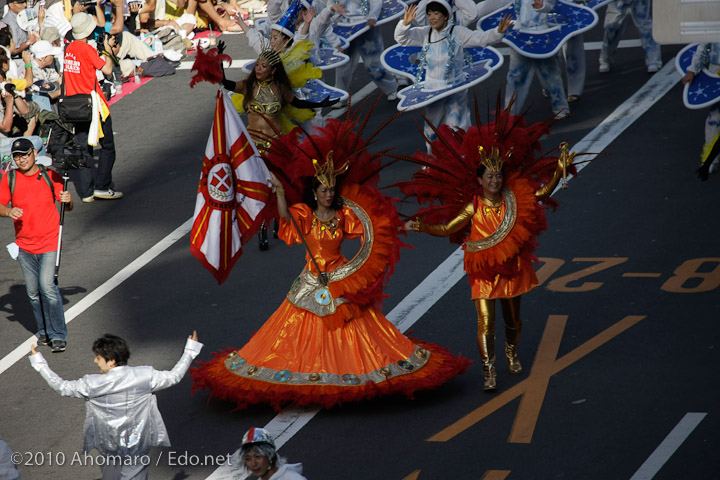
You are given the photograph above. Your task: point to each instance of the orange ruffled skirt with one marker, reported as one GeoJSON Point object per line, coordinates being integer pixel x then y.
{"type": "Point", "coordinates": [295, 359]}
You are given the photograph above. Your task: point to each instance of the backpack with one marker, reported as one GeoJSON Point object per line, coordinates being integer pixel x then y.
{"type": "Point", "coordinates": [12, 175]}
{"type": "Point", "coordinates": [61, 142]}
{"type": "Point", "coordinates": [157, 67]}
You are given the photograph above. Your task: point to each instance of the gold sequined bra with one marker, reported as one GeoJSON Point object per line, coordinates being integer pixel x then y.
{"type": "Point", "coordinates": [265, 102]}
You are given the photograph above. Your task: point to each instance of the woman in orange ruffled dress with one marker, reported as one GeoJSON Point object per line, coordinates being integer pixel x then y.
{"type": "Point", "coordinates": [328, 342]}
{"type": "Point", "coordinates": [496, 216]}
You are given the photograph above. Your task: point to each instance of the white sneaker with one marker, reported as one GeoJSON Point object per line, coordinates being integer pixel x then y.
{"type": "Point", "coordinates": [88, 199]}
{"type": "Point", "coordinates": [392, 97]}
{"type": "Point", "coordinates": [604, 67]}
{"type": "Point", "coordinates": [108, 194]}
{"type": "Point", "coordinates": [653, 68]}
{"type": "Point", "coordinates": [340, 105]}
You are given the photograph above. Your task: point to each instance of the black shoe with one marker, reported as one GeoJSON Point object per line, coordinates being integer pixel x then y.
{"type": "Point", "coordinates": [43, 340]}
{"type": "Point", "coordinates": [58, 346]}
{"type": "Point", "coordinates": [263, 239]}
{"type": "Point", "coordinates": [276, 228]}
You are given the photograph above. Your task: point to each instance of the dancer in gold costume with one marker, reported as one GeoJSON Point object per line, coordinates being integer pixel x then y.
{"type": "Point", "coordinates": [496, 216]}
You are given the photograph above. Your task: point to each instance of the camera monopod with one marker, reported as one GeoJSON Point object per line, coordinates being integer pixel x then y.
{"type": "Point", "coordinates": [65, 178]}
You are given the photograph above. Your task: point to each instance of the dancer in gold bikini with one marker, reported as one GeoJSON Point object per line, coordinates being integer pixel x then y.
{"type": "Point", "coordinates": [497, 223]}
{"type": "Point", "coordinates": [266, 91]}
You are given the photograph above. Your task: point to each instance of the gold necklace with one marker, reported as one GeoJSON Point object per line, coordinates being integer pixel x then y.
{"type": "Point", "coordinates": [492, 206]}
{"type": "Point", "coordinates": [330, 225]}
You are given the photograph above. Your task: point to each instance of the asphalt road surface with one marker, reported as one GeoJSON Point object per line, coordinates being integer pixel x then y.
{"type": "Point", "coordinates": [620, 342]}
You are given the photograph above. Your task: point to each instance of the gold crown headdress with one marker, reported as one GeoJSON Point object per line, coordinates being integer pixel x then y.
{"type": "Point", "coordinates": [268, 54]}
{"type": "Point", "coordinates": [493, 162]}
{"type": "Point", "coordinates": [326, 172]}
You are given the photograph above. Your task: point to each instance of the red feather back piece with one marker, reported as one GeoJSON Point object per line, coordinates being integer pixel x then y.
{"type": "Point", "coordinates": [447, 180]}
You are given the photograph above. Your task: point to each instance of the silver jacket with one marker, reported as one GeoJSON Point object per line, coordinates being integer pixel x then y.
{"type": "Point", "coordinates": [121, 413]}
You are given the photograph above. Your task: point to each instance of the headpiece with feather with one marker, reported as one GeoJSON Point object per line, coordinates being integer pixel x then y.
{"type": "Point", "coordinates": [448, 179]}
{"type": "Point", "coordinates": [297, 161]}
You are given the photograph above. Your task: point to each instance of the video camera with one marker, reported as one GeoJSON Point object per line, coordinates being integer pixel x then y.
{"type": "Point", "coordinates": [69, 157]}
{"type": "Point", "coordinates": [61, 147]}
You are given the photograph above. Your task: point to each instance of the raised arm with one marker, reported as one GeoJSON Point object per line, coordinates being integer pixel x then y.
{"type": "Point", "coordinates": [406, 34]}
{"type": "Point", "coordinates": [565, 160]}
{"type": "Point", "coordinates": [168, 378]}
{"type": "Point", "coordinates": [66, 388]}
{"type": "Point", "coordinates": [282, 205]}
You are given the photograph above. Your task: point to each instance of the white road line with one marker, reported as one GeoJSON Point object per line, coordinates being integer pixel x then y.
{"type": "Point", "coordinates": [24, 348]}
{"type": "Point", "coordinates": [285, 425]}
{"type": "Point", "coordinates": [362, 93]}
{"type": "Point", "coordinates": [668, 446]}
{"type": "Point", "coordinates": [626, 114]}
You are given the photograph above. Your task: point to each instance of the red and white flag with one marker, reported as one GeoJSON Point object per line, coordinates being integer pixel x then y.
{"type": "Point", "coordinates": [233, 191]}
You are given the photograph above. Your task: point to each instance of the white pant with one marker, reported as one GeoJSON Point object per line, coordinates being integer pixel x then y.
{"type": "Point", "coordinates": [520, 74]}
{"type": "Point", "coordinates": [615, 16]}
{"type": "Point", "coordinates": [369, 45]}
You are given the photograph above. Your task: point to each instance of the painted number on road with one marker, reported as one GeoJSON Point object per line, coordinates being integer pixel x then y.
{"type": "Point", "coordinates": [696, 275]}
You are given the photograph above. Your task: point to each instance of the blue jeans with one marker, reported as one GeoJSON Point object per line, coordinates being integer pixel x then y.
{"type": "Point", "coordinates": [45, 299]}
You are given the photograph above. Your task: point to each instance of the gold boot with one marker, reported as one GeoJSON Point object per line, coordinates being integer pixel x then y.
{"type": "Point", "coordinates": [513, 327]}
{"type": "Point", "coordinates": [512, 359]}
{"type": "Point", "coordinates": [487, 356]}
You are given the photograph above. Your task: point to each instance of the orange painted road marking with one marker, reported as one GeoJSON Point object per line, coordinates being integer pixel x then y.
{"type": "Point", "coordinates": [531, 385]}
{"type": "Point", "coordinates": [537, 382]}
{"type": "Point", "coordinates": [413, 476]}
{"type": "Point", "coordinates": [496, 475]}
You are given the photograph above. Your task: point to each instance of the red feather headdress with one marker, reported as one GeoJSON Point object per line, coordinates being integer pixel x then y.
{"type": "Point", "coordinates": [447, 180]}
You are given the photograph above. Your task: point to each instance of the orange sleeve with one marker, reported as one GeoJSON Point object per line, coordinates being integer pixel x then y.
{"type": "Point", "coordinates": [303, 216]}
{"type": "Point", "coordinates": [351, 225]}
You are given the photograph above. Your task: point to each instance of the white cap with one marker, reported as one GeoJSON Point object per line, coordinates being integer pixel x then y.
{"type": "Point", "coordinates": [43, 48]}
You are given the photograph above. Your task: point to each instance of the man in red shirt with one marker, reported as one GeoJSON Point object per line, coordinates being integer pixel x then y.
{"type": "Point", "coordinates": [80, 71]}
{"type": "Point", "coordinates": [36, 222]}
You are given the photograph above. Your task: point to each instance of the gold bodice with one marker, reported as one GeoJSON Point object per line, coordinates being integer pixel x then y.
{"type": "Point", "coordinates": [265, 102]}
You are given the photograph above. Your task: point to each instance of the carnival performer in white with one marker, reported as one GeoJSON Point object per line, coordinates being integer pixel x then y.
{"type": "Point", "coordinates": [532, 14]}
{"type": "Point", "coordinates": [442, 58]}
{"type": "Point", "coordinates": [369, 46]}
{"type": "Point", "coordinates": [707, 56]}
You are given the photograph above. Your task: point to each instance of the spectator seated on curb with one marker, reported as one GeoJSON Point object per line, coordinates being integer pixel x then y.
{"type": "Point", "coordinates": [23, 40]}
{"type": "Point", "coordinates": [7, 43]}
{"type": "Point", "coordinates": [25, 118]}
{"type": "Point", "coordinates": [52, 35]}
{"type": "Point", "coordinates": [126, 48]}
{"type": "Point", "coordinates": [205, 13]}
{"type": "Point", "coordinates": [47, 80]}
{"type": "Point", "coordinates": [58, 16]}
